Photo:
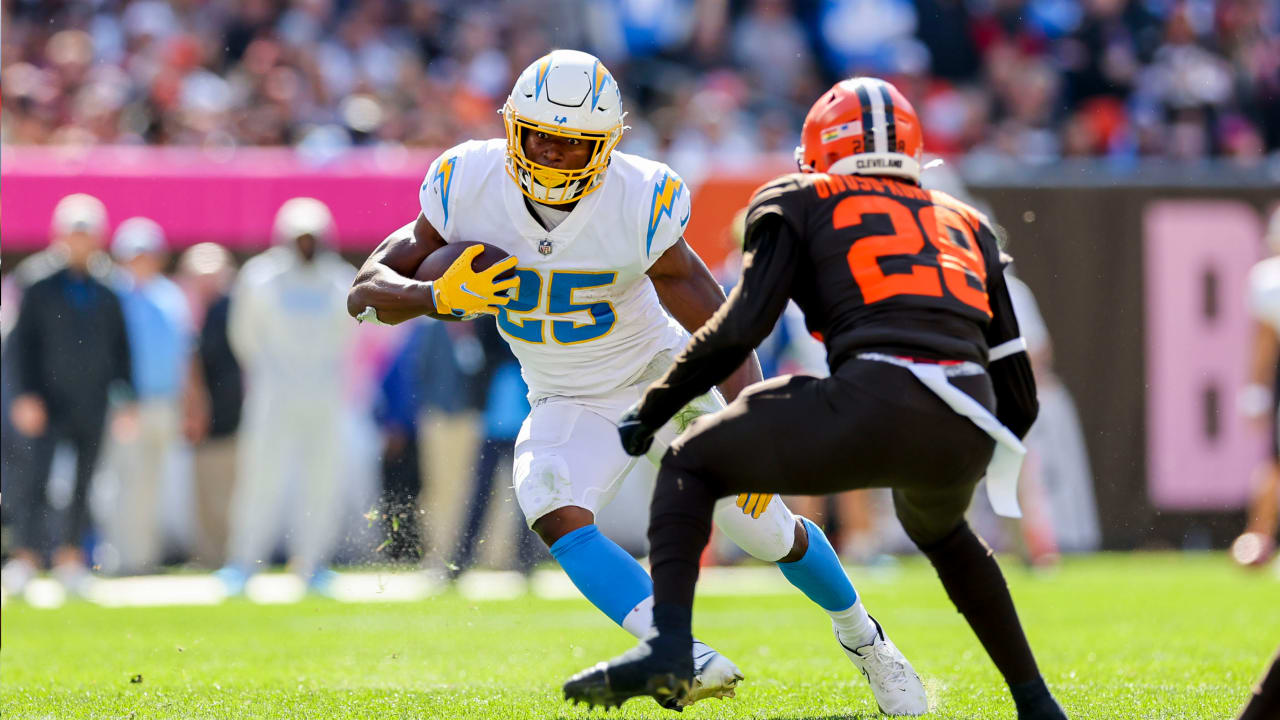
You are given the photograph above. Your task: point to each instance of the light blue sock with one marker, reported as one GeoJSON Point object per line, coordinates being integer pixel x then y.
{"type": "Point", "coordinates": [607, 576]}
{"type": "Point", "coordinates": [819, 574]}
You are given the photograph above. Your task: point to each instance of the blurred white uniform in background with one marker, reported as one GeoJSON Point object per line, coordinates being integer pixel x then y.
{"type": "Point", "coordinates": [291, 334]}
{"type": "Point", "coordinates": [1258, 402]}
{"type": "Point", "coordinates": [1057, 467]}
{"type": "Point", "coordinates": [1060, 512]}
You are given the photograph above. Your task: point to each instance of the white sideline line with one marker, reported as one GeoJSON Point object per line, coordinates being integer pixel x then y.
{"type": "Point", "coordinates": [491, 585]}
{"type": "Point", "coordinates": [386, 587]}
{"type": "Point", "coordinates": [157, 590]}
{"type": "Point", "coordinates": [364, 587]}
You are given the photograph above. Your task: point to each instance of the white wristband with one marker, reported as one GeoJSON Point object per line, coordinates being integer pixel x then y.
{"type": "Point", "coordinates": [1007, 348]}
{"type": "Point", "coordinates": [369, 315]}
{"type": "Point", "coordinates": [1254, 400]}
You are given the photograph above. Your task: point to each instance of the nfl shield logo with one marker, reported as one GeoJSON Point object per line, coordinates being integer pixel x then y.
{"type": "Point", "coordinates": [544, 246]}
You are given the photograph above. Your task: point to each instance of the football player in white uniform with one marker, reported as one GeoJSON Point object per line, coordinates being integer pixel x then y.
{"type": "Point", "coordinates": [606, 295]}
{"type": "Point", "coordinates": [1260, 402]}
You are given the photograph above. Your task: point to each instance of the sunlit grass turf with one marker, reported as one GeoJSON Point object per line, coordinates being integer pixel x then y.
{"type": "Point", "coordinates": [1118, 636]}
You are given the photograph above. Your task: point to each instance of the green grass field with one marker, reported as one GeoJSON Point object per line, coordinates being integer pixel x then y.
{"type": "Point", "coordinates": [1118, 636]}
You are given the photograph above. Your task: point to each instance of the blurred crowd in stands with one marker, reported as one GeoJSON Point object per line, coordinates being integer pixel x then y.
{"type": "Point", "coordinates": [707, 82]}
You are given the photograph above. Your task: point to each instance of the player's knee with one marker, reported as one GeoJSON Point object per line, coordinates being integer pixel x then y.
{"type": "Point", "coordinates": [927, 534]}
{"type": "Point", "coordinates": [800, 543]}
{"type": "Point", "coordinates": [542, 484]}
{"type": "Point", "coordinates": [560, 522]}
{"type": "Point", "coordinates": [940, 545]}
{"type": "Point", "coordinates": [761, 525]}
{"type": "Point", "coordinates": [927, 523]}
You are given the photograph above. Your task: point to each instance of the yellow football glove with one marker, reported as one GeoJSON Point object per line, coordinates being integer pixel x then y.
{"type": "Point", "coordinates": [462, 291]}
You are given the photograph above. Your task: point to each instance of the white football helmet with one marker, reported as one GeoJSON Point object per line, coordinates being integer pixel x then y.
{"type": "Point", "coordinates": [570, 94]}
{"type": "Point", "coordinates": [303, 216]}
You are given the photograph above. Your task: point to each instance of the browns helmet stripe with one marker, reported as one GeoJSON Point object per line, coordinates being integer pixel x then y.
{"type": "Point", "coordinates": [877, 114]}
{"type": "Point", "coordinates": [868, 125]}
{"type": "Point", "coordinates": [864, 126]}
{"type": "Point", "coordinates": [890, 127]}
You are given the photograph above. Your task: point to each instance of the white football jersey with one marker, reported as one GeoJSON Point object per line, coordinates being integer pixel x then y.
{"type": "Point", "coordinates": [586, 320]}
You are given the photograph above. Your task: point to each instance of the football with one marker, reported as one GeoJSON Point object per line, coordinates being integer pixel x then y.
{"type": "Point", "coordinates": [437, 262]}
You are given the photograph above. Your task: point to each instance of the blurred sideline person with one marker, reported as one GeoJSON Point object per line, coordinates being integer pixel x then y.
{"type": "Point", "coordinates": [1055, 489]}
{"type": "Point", "coordinates": [207, 270]}
{"type": "Point", "coordinates": [1260, 402]}
{"type": "Point", "coordinates": [505, 408]}
{"type": "Point", "coordinates": [607, 291]}
{"type": "Point", "coordinates": [70, 364]}
{"type": "Point", "coordinates": [930, 385]}
{"type": "Point", "coordinates": [1060, 512]}
{"type": "Point", "coordinates": [161, 341]}
{"type": "Point", "coordinates": [399, 397]}
{"type": "Point", "coordinates": [449, 426]}
{"type": "Point", "coordinates": [291, 336]}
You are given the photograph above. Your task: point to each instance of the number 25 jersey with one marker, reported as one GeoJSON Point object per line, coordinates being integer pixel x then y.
{"type": "Point", "coordinates": [586, 320]}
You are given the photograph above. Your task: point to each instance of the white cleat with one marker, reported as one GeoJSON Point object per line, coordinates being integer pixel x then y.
{"type": "Point", "coordinates": [714, 675]}
{"type": "Point", "coordinates": [895, 684]}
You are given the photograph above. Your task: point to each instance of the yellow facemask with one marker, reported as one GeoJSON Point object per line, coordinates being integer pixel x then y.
{"type": "Point", "coordinates": [553, 186]}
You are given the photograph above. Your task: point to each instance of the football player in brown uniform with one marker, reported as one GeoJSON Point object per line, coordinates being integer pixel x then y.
{"type": "Point", "coordinates": [930, 384]}
{"type": "Point", "coordinates": [1264, 704]}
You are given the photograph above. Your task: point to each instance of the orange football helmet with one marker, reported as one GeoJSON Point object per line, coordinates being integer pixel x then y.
{"type": "Point", "coordinates": [862, 126]}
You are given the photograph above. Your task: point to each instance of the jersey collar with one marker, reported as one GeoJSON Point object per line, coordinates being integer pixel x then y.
{"type": "Point", "coordinates": [566, 232]}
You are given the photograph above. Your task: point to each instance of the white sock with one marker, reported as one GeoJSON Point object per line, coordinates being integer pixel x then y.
{"type": "Point", "coordinates": [854, 625]}
{"type": "Point", "coordinates": [639, 621]}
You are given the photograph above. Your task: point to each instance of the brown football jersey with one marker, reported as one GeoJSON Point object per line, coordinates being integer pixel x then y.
{"type": "Point", "coordinates": [887, 266]}
{"type": "Point", "coordinates": [876, 265]}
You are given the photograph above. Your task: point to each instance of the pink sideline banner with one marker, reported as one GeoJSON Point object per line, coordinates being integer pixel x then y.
{"type": "Point", "coordinates": [1201, 452]}
{"type": "Point", "coordinates": [229, 196]}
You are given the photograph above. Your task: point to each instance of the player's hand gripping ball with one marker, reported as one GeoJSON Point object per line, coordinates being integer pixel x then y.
{"type": "Point", "coordinates": [636, 437]}
{"type": "Point", "coordinates": [469, 279]}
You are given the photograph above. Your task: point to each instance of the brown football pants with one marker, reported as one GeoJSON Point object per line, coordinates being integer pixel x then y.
{"type": "Point", "coordinates": [871, 424]}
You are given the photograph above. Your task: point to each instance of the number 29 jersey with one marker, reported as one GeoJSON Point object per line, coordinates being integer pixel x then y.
{"type": "Point", "coordinates": [586, 320]}
{"type": "Point", "coordinates": [891, 267]}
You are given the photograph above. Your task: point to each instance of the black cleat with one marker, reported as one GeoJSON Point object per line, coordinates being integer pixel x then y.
{"type": "Point", "coordinates": [1046, 709]}
{"type": "Point", "coordinates": [1035, 702]}
{"type": "Point", "coordinates": [657, 667]}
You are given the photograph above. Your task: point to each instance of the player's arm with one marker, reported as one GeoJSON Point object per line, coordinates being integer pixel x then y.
{"type": "Point", "coordinates": [1009, 364]}
{"type": "Point", "coordinates": [385, 291]}
{"type": "Point", "coordinates": [28, 412]}
{"type": "Point", "coordinates": [726, 340]}
{"type": "Point", "coordinates": [385, 282]}
{"type": "Point", "coordinates": [691, 294]}
{"type": "Point", "coordinates": [1255, 398]}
